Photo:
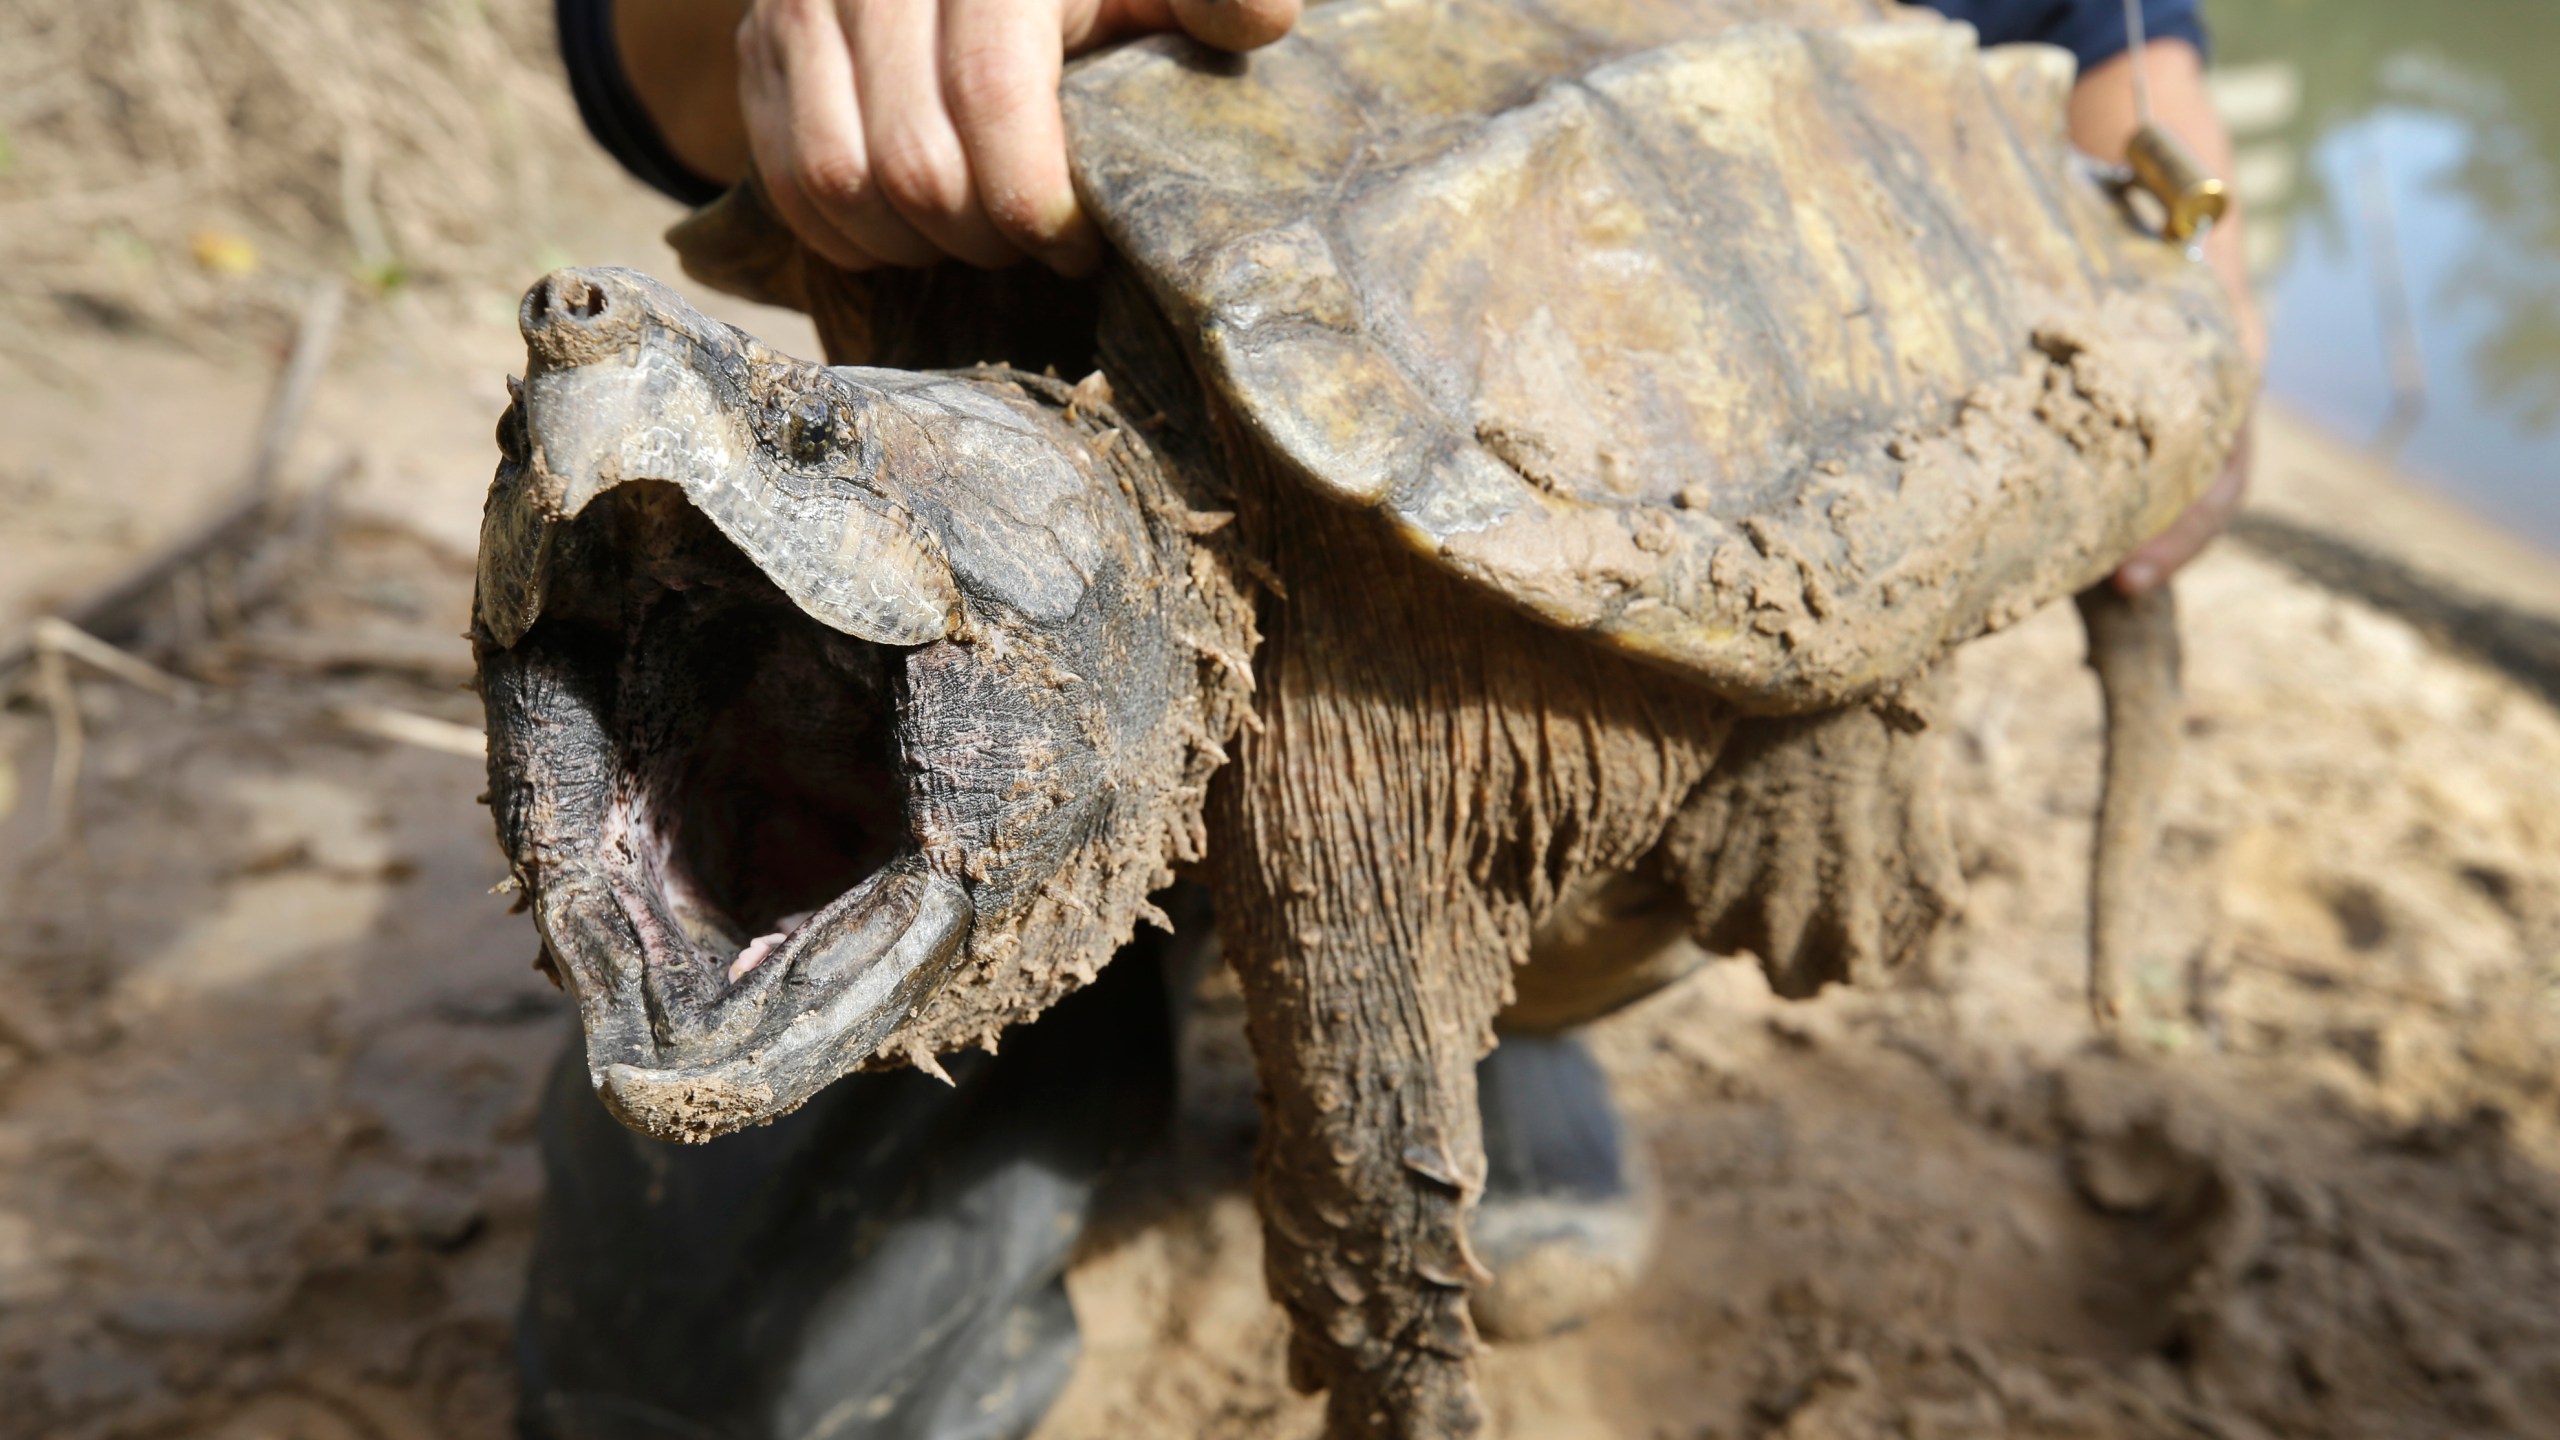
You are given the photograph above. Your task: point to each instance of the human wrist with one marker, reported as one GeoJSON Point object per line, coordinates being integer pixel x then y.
{"type": "Point", "coordinates": [2105, 112]}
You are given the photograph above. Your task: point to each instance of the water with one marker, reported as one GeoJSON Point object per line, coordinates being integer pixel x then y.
{"type": "Point", "coordinates": [2401, 162]}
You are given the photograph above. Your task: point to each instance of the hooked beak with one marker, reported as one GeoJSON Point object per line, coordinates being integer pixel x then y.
{"type": "Point", "coordinates": [624, 381]}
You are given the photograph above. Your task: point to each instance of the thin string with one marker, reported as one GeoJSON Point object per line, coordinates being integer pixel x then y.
{"type": "Point", "coordinates": [2137, 43]}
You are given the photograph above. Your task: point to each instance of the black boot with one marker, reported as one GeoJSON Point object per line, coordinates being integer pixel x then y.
{"type": "Point", "coordinates": [885, 1264]}
{"type": "Point", "coordinates": [1567, 1220]}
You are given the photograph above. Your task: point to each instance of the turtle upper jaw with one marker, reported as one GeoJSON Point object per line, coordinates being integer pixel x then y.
{"type": "Point", "coordinates": [625, 382]}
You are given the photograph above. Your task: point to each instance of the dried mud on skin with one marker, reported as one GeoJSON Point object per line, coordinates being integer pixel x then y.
{"type": "Point", "coordinates": [2320, 1203]}
{"type": "Point", "coordinates": [268, 1057]}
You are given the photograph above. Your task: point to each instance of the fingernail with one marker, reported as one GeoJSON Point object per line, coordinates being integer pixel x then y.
{"type": "Point", "coordinates": [2137, 577]}
{"type": "Point", "coordinates": [1076, 247]}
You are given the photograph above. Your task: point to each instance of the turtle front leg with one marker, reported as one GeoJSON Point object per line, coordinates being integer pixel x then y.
{"type": "Point", "coordinates": [1373, 932]}
{"type": "Point", "coordinates": [1428, 778]}
{"type": "Point", "coordinates": [1368, 1004]}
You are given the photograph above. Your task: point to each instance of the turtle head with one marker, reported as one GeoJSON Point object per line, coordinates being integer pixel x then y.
{"type": "Point", "coordinates": [836, 716]}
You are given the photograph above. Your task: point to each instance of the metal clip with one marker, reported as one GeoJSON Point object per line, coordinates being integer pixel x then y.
{"type": "Point", "coordinates": [2191, 199]}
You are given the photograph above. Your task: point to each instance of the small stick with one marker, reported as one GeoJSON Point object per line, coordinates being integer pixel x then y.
{"type": "Point", "coordinates": [59, 637]}
{"type": "Point", "coordinates": [435, 657]}
{"type": "Point", "coordinates": [409, 728]}
{"type": "Point", "coordinates": [264, 569]}
{"type": "Point", "coordinates": [312, 341]}
{"type": "Point", "coordinates": [53, 681]}
{"type": "Point", "coordinates": [116, 607]}
{"type": "Point", "coordinates": [57, 640]}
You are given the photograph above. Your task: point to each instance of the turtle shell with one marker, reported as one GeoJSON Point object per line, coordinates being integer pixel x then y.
{"type": "Point", "coordinates": [1785, 343]}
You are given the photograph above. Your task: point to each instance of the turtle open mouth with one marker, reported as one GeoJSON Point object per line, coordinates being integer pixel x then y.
{"type": "Point", "coordinates": [756, 765]}
{"type": "Point", "coordinates": [715, 788]}
{"type": "Point", "coordinates": [766, 770]}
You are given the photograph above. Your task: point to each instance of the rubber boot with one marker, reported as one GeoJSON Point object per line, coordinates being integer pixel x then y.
{"type": "Point", "coordinates": [1568, 1217]}
{"type": "Point", "coordinates": [885, 1264]}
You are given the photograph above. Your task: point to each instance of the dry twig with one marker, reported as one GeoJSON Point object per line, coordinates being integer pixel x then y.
{"type": "Point", "coordinates": [62, 699]}
{"type": "Point", "coordinates": [118, 606]}
{"type": "Point", "coordinates": [313, 340]}
{"type": "Point", "coordinates": [59, 637]}
{"type": "Point", "coordinates": [409, 728]}
{"type": "Point", "coordinates": [57, 643]}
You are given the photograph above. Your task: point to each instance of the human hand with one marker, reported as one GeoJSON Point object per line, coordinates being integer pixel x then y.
{"type": "Point", "coordinates": [2163, 555]}
{"type": "Point", "coordinates": [2104, 115]}
{"type": "Point", "coordinates": [906, 132]}
{"type": "Point", "coordinates": [2156, 559]}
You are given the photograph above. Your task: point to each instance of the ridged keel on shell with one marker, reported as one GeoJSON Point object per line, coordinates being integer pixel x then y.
{"type": "Point", "coordinates": [1787, 357]}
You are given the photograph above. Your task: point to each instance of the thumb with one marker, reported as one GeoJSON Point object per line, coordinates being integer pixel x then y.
{"type": "Point", "coordinates": [1236, 24]}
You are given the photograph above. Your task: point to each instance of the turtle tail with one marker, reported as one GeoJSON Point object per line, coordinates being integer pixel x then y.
{"type": "Point", "coordinates": [2133, 645]}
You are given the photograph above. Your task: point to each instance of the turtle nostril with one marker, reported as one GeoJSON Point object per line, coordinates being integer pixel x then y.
{"type": "Point", "coordinates": [567, 296]}
{"type": "Point", "coordinates": [571, 318]}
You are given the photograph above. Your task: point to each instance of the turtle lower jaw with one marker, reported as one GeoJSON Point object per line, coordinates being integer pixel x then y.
{"type": "Point", "coordinates": [817, 1006]}
{"type": "Point", "coordinates": [692, 1033]}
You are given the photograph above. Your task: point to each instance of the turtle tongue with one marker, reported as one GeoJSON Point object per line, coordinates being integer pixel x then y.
{"type": "Point", "coordinates": [754, 954]}
{"type": "Point", "coordinates": [763, 946]}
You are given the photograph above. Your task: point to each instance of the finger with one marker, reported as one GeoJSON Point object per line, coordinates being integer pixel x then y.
{"type": "Point", "coordinates": [1001, 77]}
{"type": "Point", "coordinates": [1227, 24]}
{"type": "Point", "coordinates": [795, 89]}
{"type": "Point", "coordinates": [1086, 24]}
{"type": "Point", "coordinates": [1236, 24]}
{"type": "Point", "coordinates": [764, 102]}
{"type": "Point", "coordinates": [916, 158]}
{"type": "Point", "coordinates": [830, 131]}
{"type": "Point", "coordinates": [2163, 555]}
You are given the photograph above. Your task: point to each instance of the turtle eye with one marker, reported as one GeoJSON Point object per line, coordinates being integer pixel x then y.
{"type": "Point", "coordinates": [809, 432]}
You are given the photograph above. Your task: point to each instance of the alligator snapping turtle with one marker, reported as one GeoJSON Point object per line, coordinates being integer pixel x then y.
{"type": "Point", "coordinates": [1536, 461]}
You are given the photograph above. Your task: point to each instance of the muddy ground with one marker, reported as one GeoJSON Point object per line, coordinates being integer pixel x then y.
{"type": "Point", "coordinates": [268, 1059]}
{"type": "Point", "coordinates": [268, 1044]}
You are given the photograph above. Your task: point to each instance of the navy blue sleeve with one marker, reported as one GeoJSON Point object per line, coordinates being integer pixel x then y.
{"type": "Point", "coordinates": [612, 109]}
{"type": "Point", "coordinates": [2092, 30]}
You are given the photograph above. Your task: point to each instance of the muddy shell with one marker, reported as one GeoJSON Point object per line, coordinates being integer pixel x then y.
{"type": "Point", "coordinates": [1706, 329]}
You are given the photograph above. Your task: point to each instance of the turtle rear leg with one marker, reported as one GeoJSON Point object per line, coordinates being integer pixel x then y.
{"type": "Point", "coordinates": [2133, 645]}
{"type": "Point", "coordinates": [1820, 845]}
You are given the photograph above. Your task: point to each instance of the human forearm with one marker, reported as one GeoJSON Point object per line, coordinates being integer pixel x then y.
{"type": "Point", "coordinates": [2105, 112]}
{"type": "Point", "coordinates": [681, 57]}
